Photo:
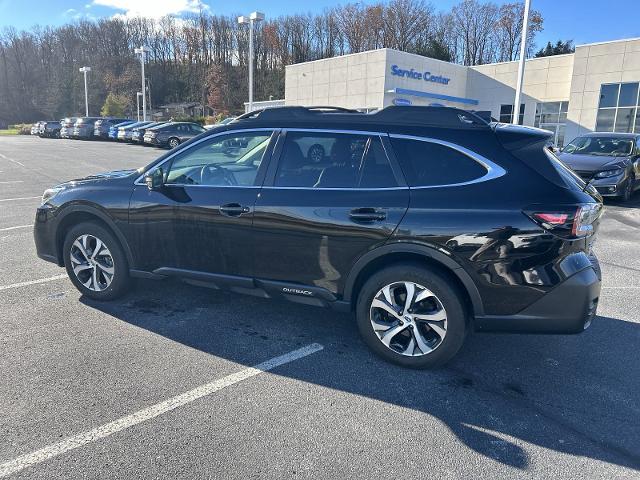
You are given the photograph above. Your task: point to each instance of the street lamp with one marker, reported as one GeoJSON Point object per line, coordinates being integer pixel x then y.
{"type": "Point", "coordinates": [138, 95]}
{"type": "Point", "coordinates": [85, 70]}
{"type": "Point", "coordinates": [251, 19]}
{"type": "Point", "coordinates": [523, 53]}
{"type": "Point", "coordinates": [141, 51]}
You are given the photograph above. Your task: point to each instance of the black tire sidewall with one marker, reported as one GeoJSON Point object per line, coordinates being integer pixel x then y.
{"type": "Point", "coordinates": [628, 189]}
{"type": "Point", "coordinates": [121, 277]}
{"type": "Point", "coordinates": [446, 292]}
{"type": "Point", "coordinates": [171, 140]}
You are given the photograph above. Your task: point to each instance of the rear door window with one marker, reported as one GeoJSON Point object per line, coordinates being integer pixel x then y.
{"type": "Point", "coordinates": [427, 164]}
{"type": "Point", "coordinates": [333, 160]}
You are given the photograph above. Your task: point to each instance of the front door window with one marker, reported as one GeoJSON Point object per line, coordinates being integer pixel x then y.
{"type": "Point", "coordinates": [227, 160]}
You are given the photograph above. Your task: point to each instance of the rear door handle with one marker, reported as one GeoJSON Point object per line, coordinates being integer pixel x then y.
{"type": "Point", "coordinates": [367, 215]}
{"type": "Point", "coordinates": [234, 209]}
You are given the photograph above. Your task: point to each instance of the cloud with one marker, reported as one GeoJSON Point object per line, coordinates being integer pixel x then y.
{"type": "Point", "coordinates": [153, 8]}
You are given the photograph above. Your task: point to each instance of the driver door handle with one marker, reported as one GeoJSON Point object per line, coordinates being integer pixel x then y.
{"type": "Point", "coordinates": [234, 209]}
{"type": "Point", "coordinates": [367, 215]}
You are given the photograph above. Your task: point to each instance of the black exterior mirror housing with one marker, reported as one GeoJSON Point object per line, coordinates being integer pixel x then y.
{"type": "Point", "coordinates": [154, 179]}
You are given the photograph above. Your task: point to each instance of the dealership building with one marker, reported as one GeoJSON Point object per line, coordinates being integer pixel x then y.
{"type": "Point", "coordinates": [595, 88]}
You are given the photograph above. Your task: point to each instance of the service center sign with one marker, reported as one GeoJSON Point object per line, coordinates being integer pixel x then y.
{"type": "Point", "coordinates": [426, 76]}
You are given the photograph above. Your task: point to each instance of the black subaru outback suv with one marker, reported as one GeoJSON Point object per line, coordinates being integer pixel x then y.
{"type": "Point", "coordinates": [426, 222]}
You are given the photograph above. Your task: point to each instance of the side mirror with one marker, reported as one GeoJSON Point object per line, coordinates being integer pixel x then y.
{"type": "Point", "coordinates": [154, 179]}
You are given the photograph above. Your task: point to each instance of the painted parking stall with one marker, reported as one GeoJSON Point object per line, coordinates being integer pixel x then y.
{"type": "Point", "coordinates": [77, 370]}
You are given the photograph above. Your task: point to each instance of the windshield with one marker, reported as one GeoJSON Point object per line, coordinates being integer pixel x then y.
{"type": "Point", "coordinates": [605, 146]}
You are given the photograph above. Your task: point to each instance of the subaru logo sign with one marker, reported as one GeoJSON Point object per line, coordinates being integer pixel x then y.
{"type": "Point", "coordinates": [426, 76]}
{"type": "Point", "coordinates": [401, 102]}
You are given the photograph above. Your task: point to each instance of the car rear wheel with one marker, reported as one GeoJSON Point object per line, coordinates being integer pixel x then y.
{"type": "Point", "coordinates": [411, 316]}
{"type": "Point", "coordinates": [173, 142]}
{"type": "Point", "coordinates": [95, 262]}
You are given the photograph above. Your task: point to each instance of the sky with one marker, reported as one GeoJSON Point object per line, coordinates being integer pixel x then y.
{"type": "Point", "coordinates": [583, 21]}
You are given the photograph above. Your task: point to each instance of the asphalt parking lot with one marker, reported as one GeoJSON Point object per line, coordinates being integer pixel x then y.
{"type": "Point", "coordinates": [158, 384]}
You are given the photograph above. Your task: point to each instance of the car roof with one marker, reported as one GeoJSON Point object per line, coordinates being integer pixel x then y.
{"type": "Point", "coordinates": [396, 119]}
{"type": "Point", "coordinates": [135, 124]}
{"type": "Point", "coordinates": [611, 135]}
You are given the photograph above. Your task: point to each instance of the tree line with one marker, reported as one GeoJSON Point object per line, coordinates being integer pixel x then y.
{"type": "Point", "coordinates": [203, 57]}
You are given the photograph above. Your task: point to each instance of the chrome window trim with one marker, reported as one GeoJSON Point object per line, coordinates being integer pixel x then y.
{"type": "Point", "coordinates": [140, 179]}
{"type": "Point", "coordinates": [493, 170]}
{"type": "Point", "coordinates": [345, 189]}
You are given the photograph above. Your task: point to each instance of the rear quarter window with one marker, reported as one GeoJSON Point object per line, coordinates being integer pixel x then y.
{"type": "Point", "coordinates": [426, 163]}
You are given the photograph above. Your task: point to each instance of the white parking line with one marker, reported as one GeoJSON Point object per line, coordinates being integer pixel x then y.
{"type": "Point", "coordinates": [11, 181]}
{"type": "Point", "coordinates": [81, 439]}
{"type": "Point", "coordinates": [6, 229]}
{"type": "Point", "coordinates": [19, 198]}
{"type": "Point", "coordinates": [11, 160]}
{"type": "Point", "coordinates": [32, 282]}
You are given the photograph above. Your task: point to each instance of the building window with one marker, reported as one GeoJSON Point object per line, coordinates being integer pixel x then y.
{"type": "Point", "coordinates": [506, 114]}
{"type": "Point", "coordinates": [552, 116]}
{"type": "Point", "coordinates": [618, 108]}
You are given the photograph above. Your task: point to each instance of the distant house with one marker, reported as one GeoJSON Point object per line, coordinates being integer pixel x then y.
{"type": "Point", "coordinates": [183, 109]}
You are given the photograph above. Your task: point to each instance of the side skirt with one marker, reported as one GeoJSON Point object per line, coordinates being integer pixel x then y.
{"type": "Point", "coordinates": [292, 292]}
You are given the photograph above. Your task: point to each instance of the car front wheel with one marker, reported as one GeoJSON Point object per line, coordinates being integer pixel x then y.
{"type": "Point", "coordinates": [412, 316]}
{"type": "Point", "coordinates": [95, 262]}
{"type": "Point", "coordinates": [173, 142]}
{"type": "Point", "coordinates": [628, 189]}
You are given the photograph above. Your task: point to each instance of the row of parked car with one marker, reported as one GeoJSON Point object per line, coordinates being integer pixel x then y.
{"type": "Point", "coordinates": [160, 134]}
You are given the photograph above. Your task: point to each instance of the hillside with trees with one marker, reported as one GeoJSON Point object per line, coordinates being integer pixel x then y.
{"type": "Point", "coordinates": [203, 58]}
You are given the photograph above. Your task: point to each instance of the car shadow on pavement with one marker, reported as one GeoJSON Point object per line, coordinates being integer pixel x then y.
{"type": "Point", "coordinates": [572, 394]}
{"type": "Point", "coordinates": [634, 201]}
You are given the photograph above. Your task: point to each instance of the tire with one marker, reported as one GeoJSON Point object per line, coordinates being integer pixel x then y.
{"type": "Point", "coordinates": [112, 271]}
{"type": "Point", "coordinates": [173, 142]}
{"type": "Point", "coordinates": [439, 298]}
{"type": "Point", "coordinates": [628, 189]}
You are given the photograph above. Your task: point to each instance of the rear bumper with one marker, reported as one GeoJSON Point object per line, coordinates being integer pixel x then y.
{"type": "Point", "coordinates": [568, 308]}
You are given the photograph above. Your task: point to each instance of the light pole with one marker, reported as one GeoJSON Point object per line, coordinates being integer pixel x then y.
{"type": "Point", "coordinates": [251, 19]}
{"type": "Point", "coordinates": [85, 70]}
{"type": "Point", "coordinates": [138, 95]}
{"type": "Point", "coordinates": [523, 53]}
{"type": "Point", "coordinates": [141, 51]}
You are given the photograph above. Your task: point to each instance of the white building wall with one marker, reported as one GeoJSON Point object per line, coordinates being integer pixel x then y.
{"type": "Point", "coordinates": [350, 81]}
{"type": "Point", "coordinates": [595, 64]}
{"type": "Point", "coordinates": [364, 80]}
{"type": "Point", "coordinates": [456, 87]}
{"type": "Point", "coordinates": [546, 79]}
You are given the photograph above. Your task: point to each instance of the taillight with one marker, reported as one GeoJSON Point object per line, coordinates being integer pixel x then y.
{"type": "Point", "coordinates": [566, 221]}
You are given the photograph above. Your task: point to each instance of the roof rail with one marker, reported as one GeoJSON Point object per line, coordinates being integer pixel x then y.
{"type": "Point", "coordinates": [278, 112]}
{"type": "Point", "coordinates": [431, 116]}
{"type": "Point", "coordinates": [402, 115]}
{"type": "Point", "coordinates": [329, 109]}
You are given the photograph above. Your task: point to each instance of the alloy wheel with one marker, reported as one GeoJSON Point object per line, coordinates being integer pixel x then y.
{"type": "Point", "coordinates": [92, 262]}
{"type": "Point", "coordinates": [173, 143]}
{"type": "Point", "coordinates": [408, 318]}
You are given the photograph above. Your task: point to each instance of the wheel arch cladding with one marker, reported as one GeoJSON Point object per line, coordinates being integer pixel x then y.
{"type": "Point", "coordinates": [423, 256]}
{"type": "Point", "coordinates": [80, 214]}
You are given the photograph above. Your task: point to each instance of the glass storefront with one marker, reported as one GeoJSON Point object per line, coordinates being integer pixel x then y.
{"type": "Point", "coordinates": [552, 116]}
{"type": "Point", "coordinates": [506, 114]}
{"type": "Point", "coordinates": [619, 107]}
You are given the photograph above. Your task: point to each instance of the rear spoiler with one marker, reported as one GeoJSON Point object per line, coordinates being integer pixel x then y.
{"type": "Point", "coordinates": [531, 146]}
{"type": "Point", "coordinates": [515, 137]}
